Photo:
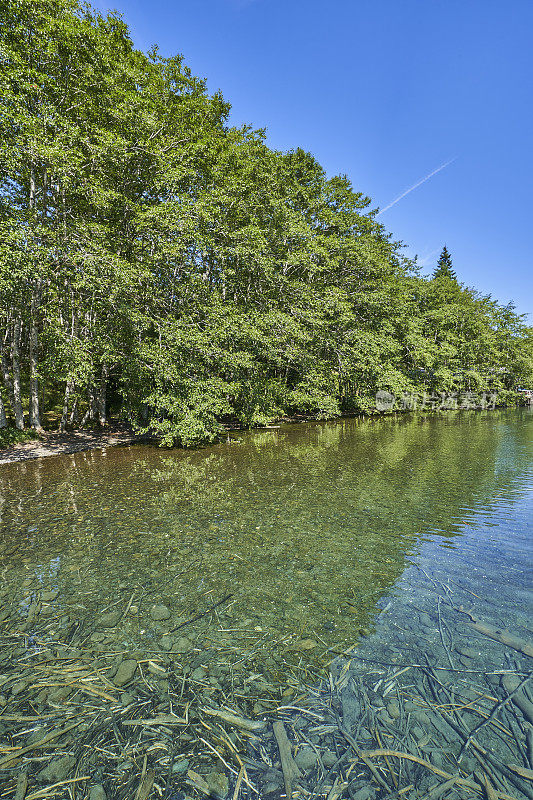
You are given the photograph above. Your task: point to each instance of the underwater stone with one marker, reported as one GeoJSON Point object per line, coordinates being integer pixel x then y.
{"type": "Point", "coordinates": [159, 613]}
{"type": "Point", "coordinates": [305, 758]}
{"type": "Point", "coordinates": [58, 769]}
{"type": "Point", "coordinates": [110, 620]}
{"type": "Point", "coordinates": [218, 784]}
{"type": "Point", "coordinates": [125, 672]}
{"type": "Point", "coordinates": [183, 645]}
{"type": "Point", "coordinates": [97, 792]}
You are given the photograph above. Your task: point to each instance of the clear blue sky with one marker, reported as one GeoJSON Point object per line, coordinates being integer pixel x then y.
{"type": "Point", "coordinates": [385, 91]}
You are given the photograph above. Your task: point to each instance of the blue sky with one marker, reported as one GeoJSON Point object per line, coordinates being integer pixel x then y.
{"type": "Point", "coordinates": [385, 91]}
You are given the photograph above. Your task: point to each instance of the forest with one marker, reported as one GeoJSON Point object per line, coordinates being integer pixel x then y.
{"type": "Point", "coordinates": [162, 265]}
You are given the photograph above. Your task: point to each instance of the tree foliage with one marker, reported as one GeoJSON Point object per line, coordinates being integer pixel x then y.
{"type": "Point", "coordinates": [154, 257]}
{"type": "Point", "coordinates": [444, 267]}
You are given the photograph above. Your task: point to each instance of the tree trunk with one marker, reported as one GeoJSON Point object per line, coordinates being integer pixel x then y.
{"type": "Point", "coordinates": [91, 409]}
{"type": "Point", "coordinates": [15, 359]}
{"type": "Point", "coordinates": [74, 413]}
{"type": "Point", "coordinates": [33, 188]}
{"type": "Point", "coordinates": [69, 388]}
{"type": "Point", "coordinates": [35, 419]}
{"type": "Point", "coordinates": [3, 418]}
{"type": "Point", "coordinates": [5, 376]}
{"type": "Point", "coordinates": [102, 395]}
{"type": "Point", "coordinates": [64, 412]}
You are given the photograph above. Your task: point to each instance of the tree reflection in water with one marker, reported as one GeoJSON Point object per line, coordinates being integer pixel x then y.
{"type": "Point", "coordinates": [306, 526]}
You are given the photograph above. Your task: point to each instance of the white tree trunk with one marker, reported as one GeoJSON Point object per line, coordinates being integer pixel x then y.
{"type": "Point", "coordinates": [64, 412]}
{"type": "Point", "coordinates": [35, 419]}
{"type": "Point", "coordinates": [74, 416]}
{"type": "Point", "coordinates": [8, 385]}
{"type": "Point", "coordinates": [90, 414]}
{"type": "Point", "coordinates": [102, 395]}
{"type": "Point", "coordinates": [15, 358]}
{"type": "Point", "coordinates": [3, 418]}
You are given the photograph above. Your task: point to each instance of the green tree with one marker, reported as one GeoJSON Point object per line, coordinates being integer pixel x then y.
{"type": "Point", "coordinates": [444, 266]}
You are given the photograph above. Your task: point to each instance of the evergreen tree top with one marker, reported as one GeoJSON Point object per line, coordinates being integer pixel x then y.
{"type": "Point", "coordinates": [444, 266]}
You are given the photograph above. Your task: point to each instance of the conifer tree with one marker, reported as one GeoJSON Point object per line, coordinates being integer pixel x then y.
{"type": "Point", "coordinates": [444, 266]}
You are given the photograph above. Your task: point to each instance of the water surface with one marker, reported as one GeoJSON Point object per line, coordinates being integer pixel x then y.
{"type": "Point", "coordinates": [302, 529]}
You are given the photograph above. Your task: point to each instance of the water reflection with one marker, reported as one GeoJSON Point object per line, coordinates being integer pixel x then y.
{"type": "Point", "coordinates": [306, 527]}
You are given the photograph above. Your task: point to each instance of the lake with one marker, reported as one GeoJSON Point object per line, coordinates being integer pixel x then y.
{"type": "Point", "coordinates": [306, 527]}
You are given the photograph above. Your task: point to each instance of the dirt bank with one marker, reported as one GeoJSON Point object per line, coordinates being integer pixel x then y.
{"type": "Point", "coordinates": [53, 444]}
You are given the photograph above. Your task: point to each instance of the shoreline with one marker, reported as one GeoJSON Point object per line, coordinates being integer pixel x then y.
{"type": "Point", "coordinates": [53, 443]}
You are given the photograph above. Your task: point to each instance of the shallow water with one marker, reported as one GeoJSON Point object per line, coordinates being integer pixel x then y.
{"type": "Point", "coordinates": [306, 527]}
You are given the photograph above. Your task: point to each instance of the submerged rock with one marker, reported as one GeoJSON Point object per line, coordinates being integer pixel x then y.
{"type": "Point", "coordinates": [218, 784]}
{"type": "Point", "coordinates": [125, 672]}
{"type": "Point", "coordinates": [97, 792]}
{"type": "Point", "coordinates": [110, 619]}
{"type": "Point", "coordinates": [58, 769]}
{"type": "Point", "coordinates": [393, 709]}
{"type": "Point", "coordinates": [159, 613]}
{"type": "Point", "coordinates": [306, 758]}
{"type": "Point", "coordinates": [182, 645]}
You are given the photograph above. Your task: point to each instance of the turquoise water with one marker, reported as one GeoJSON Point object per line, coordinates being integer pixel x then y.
{"type": "Point", "coordinates": [305, 528]}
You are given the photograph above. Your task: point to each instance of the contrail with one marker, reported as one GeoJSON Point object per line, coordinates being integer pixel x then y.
{"type": "Point", "coordinates": [415, 186]}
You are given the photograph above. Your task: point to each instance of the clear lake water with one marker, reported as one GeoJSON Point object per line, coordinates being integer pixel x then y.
{"type": "Point", "coordinates": [306, 532]}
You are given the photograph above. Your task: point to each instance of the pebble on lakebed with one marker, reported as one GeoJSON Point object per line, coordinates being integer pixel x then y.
{"type": "Point", "coordinates": [97, 792]}
{"type": "Point", "coordinates": [159, 613]}
{"type": "Point", "coordinates": [109, 620]}
{"type": "Point", "coordinates": [125, 672]}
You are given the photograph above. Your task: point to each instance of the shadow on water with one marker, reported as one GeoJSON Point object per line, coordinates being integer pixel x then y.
{"type": "Point", "coordinates": [306, 527]}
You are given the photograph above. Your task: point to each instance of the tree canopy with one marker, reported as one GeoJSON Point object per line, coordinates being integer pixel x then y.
{"type": "Point", "coordinates": [158, 260]}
